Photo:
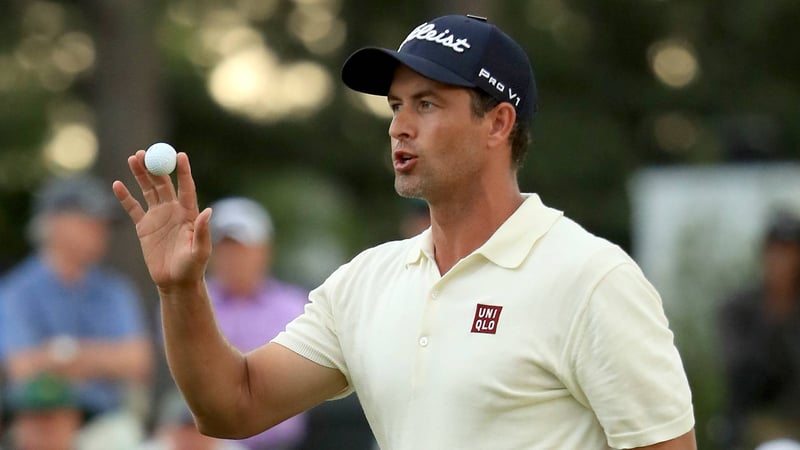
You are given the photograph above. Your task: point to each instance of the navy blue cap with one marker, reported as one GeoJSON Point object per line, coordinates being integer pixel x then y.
{"type": "Point", "coordinates": [458, 50]}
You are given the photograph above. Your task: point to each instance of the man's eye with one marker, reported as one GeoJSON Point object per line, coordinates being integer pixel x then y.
{"type": "Point", "coordinates": [425, 105]}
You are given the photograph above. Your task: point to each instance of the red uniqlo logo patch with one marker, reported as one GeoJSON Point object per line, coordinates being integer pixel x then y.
{"type": "Point", "coordinates": [486, 318]}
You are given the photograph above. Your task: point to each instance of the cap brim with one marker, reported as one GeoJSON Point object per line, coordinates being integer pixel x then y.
{"type": "Point", "coordinates": [371, 70]}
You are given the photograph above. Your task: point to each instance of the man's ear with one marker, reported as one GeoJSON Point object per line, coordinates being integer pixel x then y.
{"type": "Point", "coordinates": [502, 117]}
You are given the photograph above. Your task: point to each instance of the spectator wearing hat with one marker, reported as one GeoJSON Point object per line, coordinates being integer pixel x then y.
{"type": "Point", "coordinates": [63, 312]}
{"type": "Point", "coordinates": [250, 304]}
{"type": "Point", "coordinates": [46, 415]}
{"type": "Point", "coordinates": [760, 338]}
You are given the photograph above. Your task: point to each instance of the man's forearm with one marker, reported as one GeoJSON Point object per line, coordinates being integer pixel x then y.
{"type": "Point", "coordinates": [206, 368]}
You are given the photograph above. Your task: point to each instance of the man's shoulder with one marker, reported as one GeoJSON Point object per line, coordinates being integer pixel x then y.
{"type": "Point", "coordinates": [29, 275]}
{"type": "Point", "coordinates": [572, 240]}
{"type": "Point", "coordinates": [380, 260]}
{"type": "Point", "coordinates": [28, 268]}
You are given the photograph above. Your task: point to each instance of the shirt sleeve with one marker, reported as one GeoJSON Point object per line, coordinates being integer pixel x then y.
{"type": "Point", "coordinates": [625, 365]}
{"type": "Point", "coordinates": [313, 334]}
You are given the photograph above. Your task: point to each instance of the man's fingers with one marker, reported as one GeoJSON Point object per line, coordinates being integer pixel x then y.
{"type": "Point", "coordinates": [129, 203]}
{"type": "Point", "coordinates": [155, 188]}
{"type": "Point", "coordinates": [136, 163]}
{"type": "Point", "coordinates": [201, 245]}
{"type": "Point", "coordinates": [164, 187]}
{"type": "Point", "coordinates": [187, 195]}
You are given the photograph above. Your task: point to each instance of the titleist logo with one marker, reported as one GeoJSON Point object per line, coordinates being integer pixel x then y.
{"type": "Point", "coordinates": [428, 32]}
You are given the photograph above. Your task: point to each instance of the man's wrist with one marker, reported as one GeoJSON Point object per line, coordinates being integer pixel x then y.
{"type": "Point", "coordinates": [181, 291]}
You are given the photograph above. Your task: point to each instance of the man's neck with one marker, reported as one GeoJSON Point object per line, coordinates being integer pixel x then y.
{"type": "Point", "coordinates": [460, 227]}
{"type": "Point", "coordinates": [66, 268]}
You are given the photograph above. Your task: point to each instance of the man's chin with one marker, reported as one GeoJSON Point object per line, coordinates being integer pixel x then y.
{"type": "Point", "coordinates": [407, 191]}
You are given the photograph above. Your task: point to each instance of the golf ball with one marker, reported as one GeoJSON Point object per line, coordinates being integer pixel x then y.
{"type": "Point", "coordinates": [160, 159]}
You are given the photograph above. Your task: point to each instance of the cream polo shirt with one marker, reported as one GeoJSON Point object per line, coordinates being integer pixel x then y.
{"type": "Point", "coordinates": [546, 337]}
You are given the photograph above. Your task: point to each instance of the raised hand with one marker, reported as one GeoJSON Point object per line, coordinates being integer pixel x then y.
{"type": "Point", "coordinates": [174, 236]}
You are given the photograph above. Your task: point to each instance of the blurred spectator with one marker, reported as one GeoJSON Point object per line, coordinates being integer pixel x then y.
{"type": "Point", "coordinates": [250, 304]}
{"type": "Point", "coordinates": [3, 418]}
{"type": "Point", "coordinates": [65, 314]}
{"type": "Point", "coordinates": [176, 430]}
{"type": "Point", "coordinates": [760, 338]}
{"type": "Point", "coordinates": [46, 416]}
{"type": "Point", "coordinates": [339, 425]}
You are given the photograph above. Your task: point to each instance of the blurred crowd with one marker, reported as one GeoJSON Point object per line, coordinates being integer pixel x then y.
{"type": "Point", "coordinates": [759, 329]}
{"type": "Point", "coordinates": [79, 358]}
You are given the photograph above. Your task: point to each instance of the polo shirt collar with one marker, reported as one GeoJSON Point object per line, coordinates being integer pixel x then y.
{"type": "Point", "coordinates": [421, 245]}
{"type": "Point", "coordinates": [511, 243]}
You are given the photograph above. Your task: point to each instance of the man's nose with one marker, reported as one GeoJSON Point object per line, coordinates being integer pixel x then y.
{"type": "Point", "coordinates": [402, 126]}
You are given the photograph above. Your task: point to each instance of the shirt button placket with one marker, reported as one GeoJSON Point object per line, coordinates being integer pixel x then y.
{"type": "Point", "coordinates": [433, 295]}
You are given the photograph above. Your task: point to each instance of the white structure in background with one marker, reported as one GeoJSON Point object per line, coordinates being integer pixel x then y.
{"type": "Point", "coordinates": [697, 230]}
{"type": "Point", "coordinates": [779, 444]}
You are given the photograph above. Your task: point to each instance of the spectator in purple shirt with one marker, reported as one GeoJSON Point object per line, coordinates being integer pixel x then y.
{"type": "Point", "coordinates": [251, 306]}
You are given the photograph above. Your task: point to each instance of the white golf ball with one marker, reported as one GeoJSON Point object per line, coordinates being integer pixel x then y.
{"type": "Point", "coordinates": [160, 159]}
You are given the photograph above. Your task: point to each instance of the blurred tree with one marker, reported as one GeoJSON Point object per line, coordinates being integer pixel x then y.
{"type": "Point", "coordinates": [125, 94]}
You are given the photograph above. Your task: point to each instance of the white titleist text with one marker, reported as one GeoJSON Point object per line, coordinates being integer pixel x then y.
{"type": "Point", "coordinates": [428, 32]}
{"type": "Point", "coordinates": [513, 97]}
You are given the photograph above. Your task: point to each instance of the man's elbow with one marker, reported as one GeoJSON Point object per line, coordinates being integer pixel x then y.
{"type": "Point", "coordinates": [236, 420]}
{"type": "Point", "coordinates": [233, 428]}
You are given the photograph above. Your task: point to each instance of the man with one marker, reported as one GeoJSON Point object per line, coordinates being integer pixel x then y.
{"type": "Point", "coordinates": [63, 313]}
{"type": "Point", "coordinates": [251, 305]}
{"type": "Point", "coordinates": [504, 326]}
{"type": "Point", "coordinates": [46, 416]}
{"type": "Point", "coordinates": [760, 342]}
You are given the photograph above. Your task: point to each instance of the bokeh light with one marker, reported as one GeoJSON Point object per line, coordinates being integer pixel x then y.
{"type": "Point", "coordinates": [320, 30]}
{"type": "Point", "coordinates": [674, 62]}
{"type": "Point", "coordinates": [254, 83]}
{"type": "Point", "coordinates": [246, 76]}
{"type": "Point", "coordinates": [73, 53]}
{"type": "Point", "coordinates": [72, 148]}
{"type": "Point", "coordinates": [674, 132]}
{"type": "Point", "coordinates": [374, 104]}
{"type": "Point", "coordinates": [569, 28]}
{"type": "Point", "coordinates": [49, 53]}
{"type": "Point", "coordinates": [43, 19]}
